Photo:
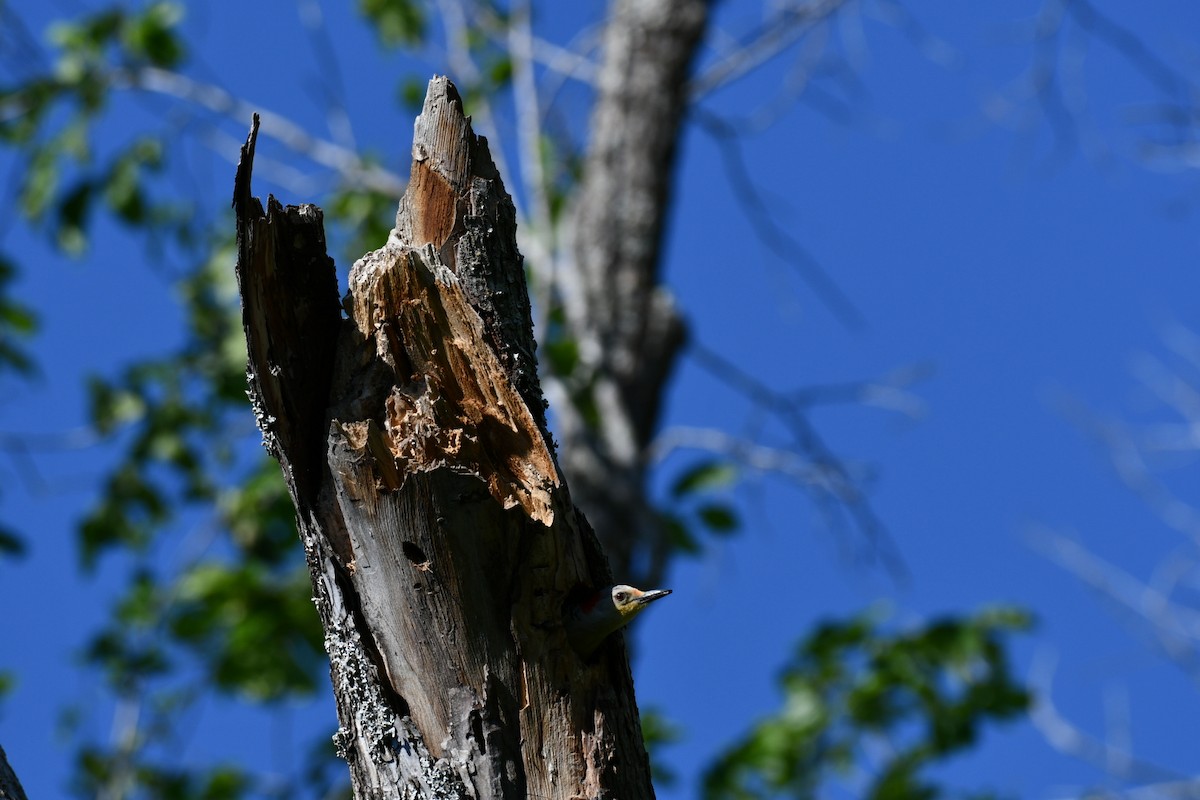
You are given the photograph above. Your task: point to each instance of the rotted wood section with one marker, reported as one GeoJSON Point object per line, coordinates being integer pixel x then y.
{"type": "Point", "coordinates": [440, 533]}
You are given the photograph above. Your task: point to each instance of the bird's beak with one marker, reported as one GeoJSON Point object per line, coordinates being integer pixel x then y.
{"type": "Point", "coordinates": [652, 595]}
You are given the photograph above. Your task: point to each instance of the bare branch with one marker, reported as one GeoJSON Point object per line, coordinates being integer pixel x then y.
{"type": "Point", "coordinates": [529, 136]}
{"type": "Point", "coordinates": [772, 234]}
{"type": "Point", "coordinates": [888, 392]}
{"type": "Point", "coordinates": [564, 61]}
{"type": "Point", "coordinates": [748, 453]}
{"type": "Point", "coordinates": [1069, 739]}
{"type": "Point", "coordinates": [454, 15]}
{"type": "Point", "coordinates": [839, 491]}
{"type": "Point", "coordinates": [343, 160]}
{"type": "Point", "coordinates": [19, 49]}
{"type": "Point", "coordinates": [1125, 455]}
{"type": "Point", "coordinates": [777, 33]}
{"type": "Point", "coordinates": [1175, 628]}
{"type": "Point", "coordinates": [1054, 86]}
{"type": "Point", "coordinates": [934, 48]}
{"type": "Point", "coordinates": [20, 448]}
{"type": "Point", "coordinates": [329, 74]}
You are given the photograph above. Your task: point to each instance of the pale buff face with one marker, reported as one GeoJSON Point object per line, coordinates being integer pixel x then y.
{"type": "Point", "coordinates": [629, 602]}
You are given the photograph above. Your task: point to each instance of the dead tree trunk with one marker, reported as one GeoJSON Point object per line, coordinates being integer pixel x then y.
{"type": "Point", "coordinates": [440, 536]}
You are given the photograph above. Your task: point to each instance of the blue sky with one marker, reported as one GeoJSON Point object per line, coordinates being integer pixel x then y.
{"type": "Point", "coordinates": [1019, 279]}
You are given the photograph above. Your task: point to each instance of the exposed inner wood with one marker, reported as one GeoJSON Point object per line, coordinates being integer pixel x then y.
{"type": "Point", "coordinates": [453, 404]}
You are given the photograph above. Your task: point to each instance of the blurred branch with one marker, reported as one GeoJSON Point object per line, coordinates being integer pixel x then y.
{"type": "Point", "coordinates": [126, 741]}
{"type": "Point", "coordinates": [1119, 762]}
{"type": "Point", "coordinates": [1180, 395]}
{"type": "Point", "coordinates": [20, 53]}
{"type": "Point", "coordinates": [934, 48]}
{"type": "Point", "coordinates": [564, 61]}
{"type": "Point", "coordinates": [332, 86]}
{"type": "Point", "coordinates": [748, 453]}
{"type": "Point", "coordinates": [1140, 55]}
{"type": "Point", "coordinates": [888, 393]}
{"type": "Point", "coordinates": [454, 15]}
{"type": "Point", "coordinates": [1164, 606]}
{"type": "Point", "coordinates": [779, 31]}
{"type": "Point", "coordinates": [1175, 627]}
{"type": "Point", "coordinates": [1054, 86]}
{"type": "Point", "coordinates": [529, 134]}
{"type": "Point", "coordinates": [837, 487]}
{"type": "Point", "coordinates": [759, 214]}
{"type": "Point", "coordinates": [1125, 454]}
{"type": "Point", "coordinates": [20, 447]}
{"type": "Point", "coordinates": [342, 160]}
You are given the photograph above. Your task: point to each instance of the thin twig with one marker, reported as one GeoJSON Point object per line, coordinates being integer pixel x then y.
{"type": "Point", "coordinates": [1175, 628]}
{"type": "Point", "coordinates": [774, 236]}
{"type": "Point", "coordinates": [1068, 738]}
{"type": "Point", "coordinates": [776, 34]}
{"type": "Point", "coordinates": [343, 160]}
{"type": "Point", "coordinates": [838, 489]}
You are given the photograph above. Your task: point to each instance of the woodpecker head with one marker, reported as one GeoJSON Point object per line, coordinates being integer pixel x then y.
{"type": "Point", "coordinates": [604, 611]}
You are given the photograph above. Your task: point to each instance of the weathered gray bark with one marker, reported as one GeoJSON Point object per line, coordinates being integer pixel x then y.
{"type": "Point", "coordinates": [10, 787]}
{"type": "Point", "coordinates": [439, 533]}
{"type": "Point", "coordinates": [625, 321]}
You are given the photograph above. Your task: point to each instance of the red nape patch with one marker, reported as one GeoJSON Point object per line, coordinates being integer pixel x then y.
{"type": "Point", "coordinates": [589, 603]}
{"type": "Point", "coordinates": [582, 599]}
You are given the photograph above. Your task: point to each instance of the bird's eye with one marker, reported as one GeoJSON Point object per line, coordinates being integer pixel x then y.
{"type": "Point", "coordinates": [622, 597]}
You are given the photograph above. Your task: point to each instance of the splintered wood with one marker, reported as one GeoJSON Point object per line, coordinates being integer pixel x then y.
{"type": "Point", "coordinates": [454, 405]}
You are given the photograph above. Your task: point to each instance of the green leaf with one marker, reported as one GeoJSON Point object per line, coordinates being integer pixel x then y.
{"type": "Point", "coordinates": [926, 691]}
{"type": "Point", "coordinates": [562, 355]}
{"type": "Point", "coordinates": [152, 36]}
{"type": "Point", "coordinates": [111, 406]}
{"type": "Point", "coordinates": [40, 184]}
{"type": "Point", "coordinates": [718, 518]}
{"type": "Point", "coordinates": [260, 516]}
{"type": "Point", "coordinates": [255, 630]}
{"type": "Point", "coordinates": [127, 660]}
{"type": "Point", "coordinates": [16, 322]}
{"type": "Point", "coordinates": [500, 71]}
{"type": "Point", "coordinates": [412, 94]}
{"type": "Point", "coordinates": [369, 214]}
{"type": "Point", "coordinates": [131, 508]}
{"type": "Point", "coordinates": [704, 476]}
{"type": "Point", "coordinates": [678, 535]}
{"type": "Point", "coordinates": [11, 544]}
{"type": "Point", "coordinates": [73, 209]}
{"type": "Point", "coordinates": [397, 22]}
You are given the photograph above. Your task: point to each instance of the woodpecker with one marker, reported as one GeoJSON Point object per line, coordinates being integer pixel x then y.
{"type": "Point", "coordinates": [603, 612]}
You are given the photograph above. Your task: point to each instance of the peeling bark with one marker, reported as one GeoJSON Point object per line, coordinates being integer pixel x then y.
{"type": "Point", "coordinates": [440, 535]}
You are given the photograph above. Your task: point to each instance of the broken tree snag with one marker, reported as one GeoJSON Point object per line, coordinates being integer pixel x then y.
{"type": "Point", "coordinates": [465, 541]}
{"type": "Point", "coordinates": [441, 538]}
